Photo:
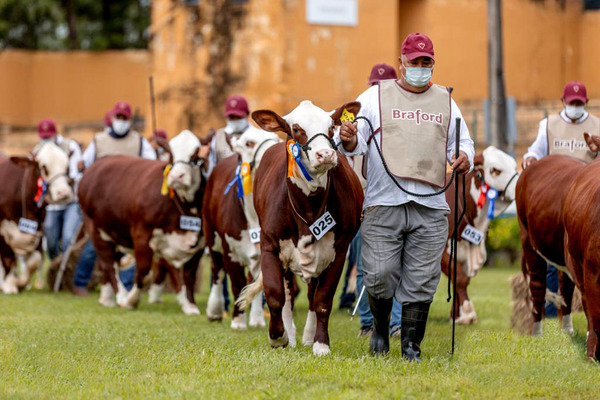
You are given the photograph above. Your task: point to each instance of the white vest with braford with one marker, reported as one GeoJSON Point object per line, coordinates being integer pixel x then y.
{"type": "Point", "coordinates": [106, 145]}
{"type": "Point", "coordinates": [414, 131]}
{"type": "Point", "coordinates": [566, 139]}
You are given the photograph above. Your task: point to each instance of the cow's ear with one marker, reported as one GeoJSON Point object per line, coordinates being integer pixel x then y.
{"type": "Point", "coordinates": [353, 108]}
{"type": "Point", "coordinates": [478, 160]}
{"type": "Point", "coordinates": [270, 121]}
{"type": "Point", "coordinates": [592, 141]}
{"type": "Point", "coordinates": [23, 162]}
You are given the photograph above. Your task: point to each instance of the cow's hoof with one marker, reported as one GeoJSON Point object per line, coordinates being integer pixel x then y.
{"type": "Point", "coordinates": [321, 349]}
{"type": "Point", "coordinates": [239, 322]}
{"type": "Point", "coordinates": [107, 295]}
{"type": "Point", "coordinates": [537, 329]}
{"type": "Point", "coordinates": [279, 342]}
{"type": "Point", "coordinates": [190, 309]}
{"type": "Point", "coordinates": [155, 293]}
{"type": "Point", "coordinates": [467, 314]}
{"type": "Point", "coordinates": [9, 286]}
{"type": "Point", "coordinates": [133, 299]}
{"type": "Point", "coordinates": [308, 336]}
{"type": "Point", "coordinates": [214, 318]}
{"type": "Point", "coordinates": [107, 302]}
{"type": "Point", "coordinates": [567, 324]}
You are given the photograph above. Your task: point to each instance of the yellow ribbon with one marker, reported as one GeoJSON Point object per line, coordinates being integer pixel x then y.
{"type": "Point", "coordinates": [246, 178]}
{"type": "Point", "coordinates": [164, 189]}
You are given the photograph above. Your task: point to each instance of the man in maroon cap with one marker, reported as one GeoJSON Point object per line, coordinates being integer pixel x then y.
{"type": "Point", "coordinates": [62, 220]}
{"type": "Point", "coordinates": [381, 72]}
{"type": "Point", "coordinates": [404, 235]}
{"type": "Point", "coordinates": [236, 114]}
{"type": "Point", "coordinates": [562, 134]}
{"type": "Point", "coordinates": [119, 138]}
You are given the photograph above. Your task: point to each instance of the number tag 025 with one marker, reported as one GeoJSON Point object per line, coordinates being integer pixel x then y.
{"type": "Point", "coordinates": [322, 225]}
{"type": "Point", "coordinates": [190, 223]}
{"type": "Point", "coordinates": [28, 226]}
{"type": "Point", "coordinates": [254, 235]}
{"type": "Point", "coordinates": [472, 235]}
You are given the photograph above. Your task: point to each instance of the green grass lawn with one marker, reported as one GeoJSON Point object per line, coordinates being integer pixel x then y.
{"type": "Point", "coordinates": [60, 346]}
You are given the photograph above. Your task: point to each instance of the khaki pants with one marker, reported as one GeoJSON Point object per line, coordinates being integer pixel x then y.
{"type": "Point", "coordinates": [402, 251]}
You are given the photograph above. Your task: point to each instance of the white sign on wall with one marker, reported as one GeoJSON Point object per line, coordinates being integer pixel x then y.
{"type": "Point", "coordinates": [332, 12]}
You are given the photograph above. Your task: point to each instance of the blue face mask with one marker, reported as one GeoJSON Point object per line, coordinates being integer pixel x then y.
{"type": "Point", "coordinates": [418, 76]}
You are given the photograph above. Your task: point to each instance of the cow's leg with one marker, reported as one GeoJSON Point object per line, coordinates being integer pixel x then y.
{"type": "Point", "coordinates": [216, 301]}
{"type": "Point", "coordinates": [32, 263]}
{"type": "Point", "coordinates": [179, 287]}
{"type": "Point", "coordinates": [591, 285]}
{"type": "Point", "coordinates": [257, 316]}
{"type": "Point", "coordinates": [466, 310]}
{"type": "Point", "coordinates": [9, 283]}
{"type": "Point", "coordinates": [566, 287]}
{"type": "Point", "coordinates": [143, 265]}
{"type": "Point", "coordinates": [190, 270]}
{"type": "Point", "coordinates": [106, 256]}
{"type": "Point", "coordinates": [310, 329]}
{"type": "Point", "coordinates": [323, 300]}
{"type": "Point", "coordinates": [288, 308]}
{"type": "Point", "coordinates": [238, 281]}
{"type": "Point", "coordinates": [272, 273]}
{"type": "Point", "coordinates": [157, 287]}
{"type": "Point", "coordinates": [536, 266]}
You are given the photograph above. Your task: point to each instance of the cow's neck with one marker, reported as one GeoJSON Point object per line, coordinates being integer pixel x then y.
{"type": "Point", "coordinates": [250, 211]}
{"type": "Point", "coordinates": [309, 207]}
{"type": "Point", "coordinates": [308, 188]}
{"type": "Point", "coordinates": [481, 221]}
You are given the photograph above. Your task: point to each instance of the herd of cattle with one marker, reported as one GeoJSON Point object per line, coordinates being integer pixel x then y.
{"type": "Point", "coordinates": [258, 213]}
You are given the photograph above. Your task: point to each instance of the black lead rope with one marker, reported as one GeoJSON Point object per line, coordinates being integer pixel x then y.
{"type": "Point", "coordinates": [452, 265]}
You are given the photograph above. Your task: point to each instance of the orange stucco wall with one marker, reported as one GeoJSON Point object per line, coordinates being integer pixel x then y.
{"type": "Point", "coordinates": [71, 87]}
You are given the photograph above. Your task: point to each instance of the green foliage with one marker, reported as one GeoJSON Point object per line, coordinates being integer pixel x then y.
{"type": "Point", "coordinates": [504, 235]}
{"type": "Point", "coordinates": [74, 24]}
{"type": "Point", "coordinates": [60, 346]}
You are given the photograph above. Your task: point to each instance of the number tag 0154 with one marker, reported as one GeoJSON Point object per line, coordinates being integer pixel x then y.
{"type": "Point", "coordinates": [28, 226]}
{"type": "Point", "coordinates": [254, 235]}
{"type": "Point", "coordinates": [472, 235]}
{"type": "Point", "coordinates": [190, 223]}
{"type": "Point", "coordinates": [322, 225]}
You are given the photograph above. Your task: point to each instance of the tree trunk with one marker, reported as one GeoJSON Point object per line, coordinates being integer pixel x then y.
{"type": "Point", "coordinates": [70, 16]}
{"type": "Point", "coordinates": [497, 95]}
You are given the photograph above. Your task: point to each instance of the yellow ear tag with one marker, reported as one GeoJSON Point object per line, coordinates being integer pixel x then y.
{"type": "Point", "coordinates": [246, 178]}
{"type": "Point", "coordinates": [347, 116]}
{"type": "Point", "coordinates": [164, 189]}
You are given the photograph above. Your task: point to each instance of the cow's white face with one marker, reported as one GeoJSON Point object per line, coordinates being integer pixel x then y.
{"type": "Point", "coordinates": [253, 140]}
{"type": "Point", "coordinates": [54, 167]}
{"type": "Point", "coordinates": [312, 126]}
{"type": "Point", "coordinates": [184, 176]}
{"type": "Point", "coordinates": [498, 169]}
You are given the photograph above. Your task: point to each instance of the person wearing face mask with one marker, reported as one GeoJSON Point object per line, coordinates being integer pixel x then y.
{"type": "Point", "coordinates": [236, 114]}
{"type": "Point", "coordinates": [562, 134]}
{"type": "Point", "coordinates": [61, 220]}
{"type": "Point", "coordinates": [118, 138]}
{"type": "Point", "coordinates": [404, 236]}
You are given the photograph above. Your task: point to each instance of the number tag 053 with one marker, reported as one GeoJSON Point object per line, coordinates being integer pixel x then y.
{"type": "Point", "coordinates": [190, 223]}
{"type": "Point", "coordinates": [472, 235]}
{"type": "Point", "coordinates": [28, 226]}
{"type": "Point", "coordinates": [322, 225]}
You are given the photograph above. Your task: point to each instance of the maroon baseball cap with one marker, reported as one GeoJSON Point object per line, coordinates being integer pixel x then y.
{"type": "Point", "coordinates": [574, 90]}
{"type": "Point", "coordinates": [237, 106]}
{"type": "Point", "coordinates": [108, 118]}
{"type": "Point", "coordinates": [160, 133]}
{"type": "Point", "coordinates": [382, 71]}
{"type": "Point", "coordinates": [122, 108]}
{"type": "Point", "coordinates": [46, 128]}
{"type": "Point", "coordinates": [417, 45]}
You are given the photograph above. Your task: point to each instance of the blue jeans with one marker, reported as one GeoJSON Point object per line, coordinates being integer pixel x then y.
{"type": "Point", "coordinates": [60, 227]}
{"type": "Point", "coordinates": [85, 267]}
{"type": "Point", "coordinates": [552, 285]}
{"type": "Point", "coordinates": [364, 311]}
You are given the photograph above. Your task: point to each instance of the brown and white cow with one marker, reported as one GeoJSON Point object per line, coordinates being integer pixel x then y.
{"type": "Point", "coordinates": [541, 192]}
{"type": "Point", "coordinates": [231, 225]}
{"type": "Point", "coordinates": [581, 217]}
{"type": "Point", "coordinates": [288, 203]}
{"type": "Point", "coordinates": [21, 210]}
{"type": "Point", "coordinates": [125, 211]}
{"type": "Point", "coordinates": [495, 169]}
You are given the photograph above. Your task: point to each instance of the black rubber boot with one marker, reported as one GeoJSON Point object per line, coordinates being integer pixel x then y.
{"type": "Point", "coordinates": [414, 321]}
{"type": "Point", "coordinates": [381, 310]}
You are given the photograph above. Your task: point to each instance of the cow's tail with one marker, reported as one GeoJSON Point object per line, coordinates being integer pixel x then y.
{"type": "Point", "coordinates": [521, 319]}
{"type": "Point", "coordinates": [249, 292]}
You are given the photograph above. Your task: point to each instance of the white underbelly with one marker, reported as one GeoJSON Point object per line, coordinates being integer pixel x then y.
{"type": "Point", "coordinates": [308, 259]}
{"type": "Point", "coordinates": [21, 243]}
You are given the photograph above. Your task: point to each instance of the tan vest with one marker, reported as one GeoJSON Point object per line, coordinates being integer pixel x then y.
{"type": "Point", "coordinates": [64, 145]}
{"type": "Point", "coordinates": [222, 147]}
{"type": "Point", "coordinates": [107, 145]}
{"type": "Point", "coordinates": [566, 139]}
{"type": "Point", "coordinates": [414, 130]}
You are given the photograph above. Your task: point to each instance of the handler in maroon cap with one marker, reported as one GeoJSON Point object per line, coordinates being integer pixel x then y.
{"type": "Point", "coordinates": [236, 114]}
{"type": "Point", "coordinates": [404, 236]}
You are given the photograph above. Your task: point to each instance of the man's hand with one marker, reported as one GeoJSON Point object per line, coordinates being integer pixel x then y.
{"type": "Point", "coordinates": [592, 141]}
{"type": "Point", "coordinates": [462, 164]}
{"type": "Point", "coordinates": [527, 162]}
{"type": "Point", "coordinates": [348, 132]}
